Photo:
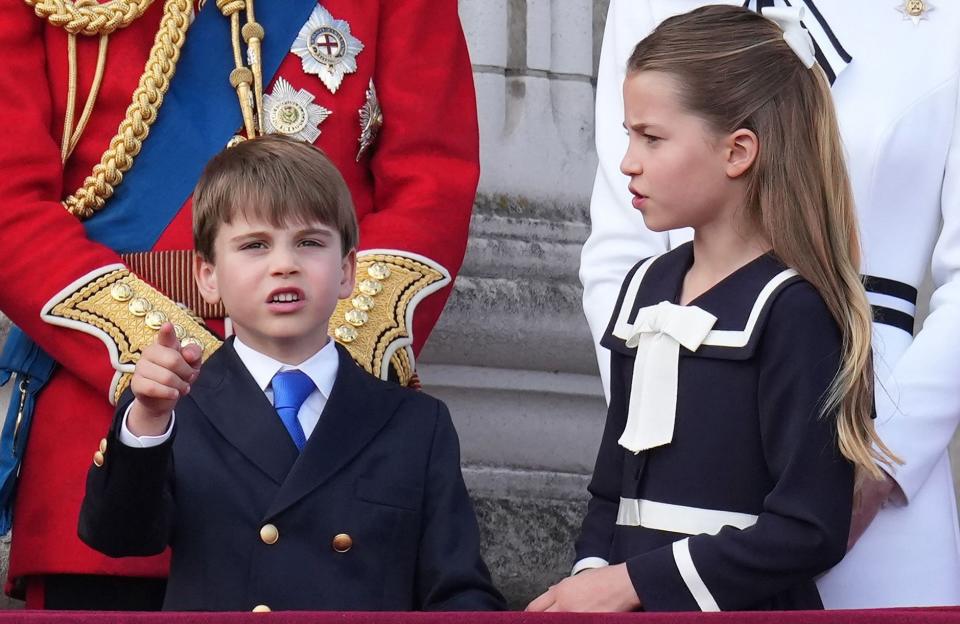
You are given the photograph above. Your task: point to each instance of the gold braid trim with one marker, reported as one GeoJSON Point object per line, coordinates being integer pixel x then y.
{"type": "Point", "coordinates": [373, 323]}
{"type": "Point", "coordinates": [142, 112]}
{"type": "Point", "coordinates": [81, 18]}
{"type": "Point", "coordinates": [122, 309]}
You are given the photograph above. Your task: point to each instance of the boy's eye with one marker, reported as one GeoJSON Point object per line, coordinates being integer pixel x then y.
{"type": "Point", "coordinates": [310, 242]}
{"type": "Point", "coordinates": [253, 245]}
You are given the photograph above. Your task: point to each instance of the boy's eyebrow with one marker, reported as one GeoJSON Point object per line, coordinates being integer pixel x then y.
{"type": "Point", "coordinates": [314, 231]}
{"type": "Point", "coordinates": [310, 231]}
{"type": "Point", "coordinates": [246, 235]}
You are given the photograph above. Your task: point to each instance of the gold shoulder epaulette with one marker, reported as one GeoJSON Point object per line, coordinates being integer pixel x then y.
{"type": "Point", "coordinates": [124, 312]}
{"type": "Point", "coordinates": [375, 324]}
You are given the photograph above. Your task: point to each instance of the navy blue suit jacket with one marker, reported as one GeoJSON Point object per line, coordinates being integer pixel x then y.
{"type": "Point", "coordinates": [382, 466]}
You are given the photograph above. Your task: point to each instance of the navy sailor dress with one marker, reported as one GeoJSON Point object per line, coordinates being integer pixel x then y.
{"type": "Point", "coordinates": [750, 498]}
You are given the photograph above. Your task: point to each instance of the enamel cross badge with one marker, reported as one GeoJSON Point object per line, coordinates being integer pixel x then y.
{"type": "Point", "coordinates": [326, 48]}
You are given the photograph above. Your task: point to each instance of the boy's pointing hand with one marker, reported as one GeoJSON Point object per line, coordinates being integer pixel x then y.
{"type": "Point", "coordinates": [163, 375]}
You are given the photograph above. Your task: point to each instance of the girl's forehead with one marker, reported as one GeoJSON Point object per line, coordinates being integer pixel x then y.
{"type": "Point", "coordinates": [651, 96]}
{"type": "Point", "coordinates": [659, 86]}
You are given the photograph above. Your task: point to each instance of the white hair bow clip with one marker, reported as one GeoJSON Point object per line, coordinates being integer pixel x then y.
{"type": "Point", "coordinates": [796, 36]}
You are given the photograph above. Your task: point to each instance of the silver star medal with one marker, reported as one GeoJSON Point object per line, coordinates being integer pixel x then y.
{"type": "Point", "coordinates": [290, 112]}
{"type": "Point", "coordinates": [371, 118]}
{"type": "Point", "coordinates": [915, 10]}
{"type": "Point", "coordinates": [326, 48]}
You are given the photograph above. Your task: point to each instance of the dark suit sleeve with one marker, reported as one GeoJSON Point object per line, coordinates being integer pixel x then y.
{"type": "Point", "coordinates": [451, 575]}
{"type": "Point", "coordinates": [802, 529]}
{"type": "Point", "coordinates": [128, 506]}
{"type": "Point", "coordinates": [596, 532]}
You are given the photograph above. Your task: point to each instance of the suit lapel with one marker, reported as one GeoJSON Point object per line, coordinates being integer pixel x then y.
{"type": "Point", "coordinates": [232, 401]}
{"type": "Point", "coordinates": [358, 408]}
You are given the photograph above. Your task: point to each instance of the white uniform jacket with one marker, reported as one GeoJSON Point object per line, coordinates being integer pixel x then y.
{"type": "Point", "coordinates": [898, 105]}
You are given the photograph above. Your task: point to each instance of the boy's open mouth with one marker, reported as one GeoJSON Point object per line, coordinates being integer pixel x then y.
{"type": "Point", "coordinates": [285, 295]}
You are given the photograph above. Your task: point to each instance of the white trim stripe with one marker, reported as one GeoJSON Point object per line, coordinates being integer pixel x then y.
{"type": "Point", "coordinates": [819, 34]}
{"type": "Point", "coordinates": [679, 518]}
{"type": "Point", "coordinates": [688, 571]}
{"type": "Point", "coordinates": [894, 303]}
{"type": "Point", "coordinates": [733, 338]}
{"type": "Point", "coordinates": [622, 327]}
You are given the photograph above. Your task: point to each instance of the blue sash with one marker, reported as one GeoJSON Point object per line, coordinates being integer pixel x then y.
{"type": "Point", "coordinates": [200, 113]}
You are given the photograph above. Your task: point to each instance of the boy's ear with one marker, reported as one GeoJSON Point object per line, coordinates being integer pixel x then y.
{"type": "Point", "coordinates": [348, 271]}
{"type": "Point", "coordinates": [205, 275]}
{"type": "Point", "coordinates": [742, 147]}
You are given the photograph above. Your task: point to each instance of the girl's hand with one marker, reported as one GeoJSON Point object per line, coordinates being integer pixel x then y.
{"type": "Point", "coordinates": [873, 495]}
{"type": "Point", "coordinates": [602, 589]}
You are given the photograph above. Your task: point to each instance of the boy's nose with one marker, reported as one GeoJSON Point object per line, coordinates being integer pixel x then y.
{"type": "Point", "coordinates": [284, 262]}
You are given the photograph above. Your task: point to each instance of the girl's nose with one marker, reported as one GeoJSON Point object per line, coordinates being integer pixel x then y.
{"type": "Point", "coordinates": [630, 165]}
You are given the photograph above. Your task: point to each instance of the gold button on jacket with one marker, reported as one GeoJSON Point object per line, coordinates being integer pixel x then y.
{"type": "Point", "coordinates": [342, 542]}
{"type": "Point", "coordinates": [269, 534]}
{"type": "Point", "coordinates": [98, 459]}
{"type": "Point", "coordinates": [261, 609]}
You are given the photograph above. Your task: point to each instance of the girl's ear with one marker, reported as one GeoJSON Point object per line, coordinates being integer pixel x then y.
{"type": "Point", "coordinates": [742, 148]}
{"type": "Point", "coordinates": [205, 275]}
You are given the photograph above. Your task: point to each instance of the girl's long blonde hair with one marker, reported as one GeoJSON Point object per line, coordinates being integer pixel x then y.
{"type": "Point", "coordinates": [735, 70]}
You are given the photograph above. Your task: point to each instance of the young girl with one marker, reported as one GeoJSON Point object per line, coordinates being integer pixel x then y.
{"type": "Point", "coordinates": [741, 374]}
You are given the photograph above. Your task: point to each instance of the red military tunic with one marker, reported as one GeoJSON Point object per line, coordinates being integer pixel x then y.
{"type": "Point", "coordinates": [413, 190]}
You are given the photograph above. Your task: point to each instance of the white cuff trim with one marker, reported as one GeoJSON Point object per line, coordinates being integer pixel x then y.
{"type": "Point", "coordinates": [681, 555]}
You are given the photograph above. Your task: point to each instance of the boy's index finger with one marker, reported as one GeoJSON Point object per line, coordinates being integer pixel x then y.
{"type": "Point", "coordinates": [193, 355]}
{"type": "Point", "coordinates": [166, 337]}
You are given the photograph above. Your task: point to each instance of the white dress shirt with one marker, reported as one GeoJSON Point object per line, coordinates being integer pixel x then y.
{"type": "Point", "coordinates": [321, 367]}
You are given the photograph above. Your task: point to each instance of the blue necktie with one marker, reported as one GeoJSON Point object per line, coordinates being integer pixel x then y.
{"type": "Point", "coordinates": [290, 389]}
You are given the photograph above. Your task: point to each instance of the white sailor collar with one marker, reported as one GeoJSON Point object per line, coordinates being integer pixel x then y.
{"type": "Point", "coordinates": [740, 302]}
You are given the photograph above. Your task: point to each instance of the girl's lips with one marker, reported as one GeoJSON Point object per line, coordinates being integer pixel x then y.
{"type": "Point", "coordinates": [638, 201]}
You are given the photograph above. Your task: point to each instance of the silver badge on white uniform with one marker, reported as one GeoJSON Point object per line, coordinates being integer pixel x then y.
{"type": "Point", "coordinates": [291, 112]}
{"type": "Point", "coordinates": [915, 10]}
{"type": "Point", "coordinates": [326, 48]}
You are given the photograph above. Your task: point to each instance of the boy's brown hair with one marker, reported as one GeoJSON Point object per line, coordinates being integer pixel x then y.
{"type": "Point", "coordinates": [276, 179]}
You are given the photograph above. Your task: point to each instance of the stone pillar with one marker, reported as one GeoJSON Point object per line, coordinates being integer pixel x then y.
{"type": "Point", "coordinates": [512, 355]}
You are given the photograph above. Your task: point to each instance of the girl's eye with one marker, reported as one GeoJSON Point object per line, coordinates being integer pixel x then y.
{"type": "Point", "coordinates": [649, 138]}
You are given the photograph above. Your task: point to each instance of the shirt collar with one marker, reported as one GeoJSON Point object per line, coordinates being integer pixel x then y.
{"type": "Point", "coordinates": [321, 367]}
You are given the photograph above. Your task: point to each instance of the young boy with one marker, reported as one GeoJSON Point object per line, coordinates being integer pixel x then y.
{"type": "Point", "coordinates": [281, 474]}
